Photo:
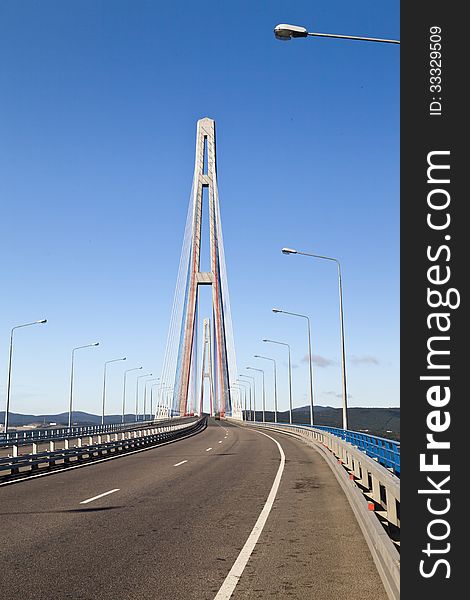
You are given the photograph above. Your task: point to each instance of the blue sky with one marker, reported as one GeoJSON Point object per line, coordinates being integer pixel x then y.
{"type": "Point", "coordinates": [100, 101]}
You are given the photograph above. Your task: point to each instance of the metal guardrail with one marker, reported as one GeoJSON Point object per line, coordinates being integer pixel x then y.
{"type": "Point", "coordinates": [385, 451]}
{"type": "Point", "coordinates": [61, 433]}
{"type": "Point", "coordinates": [124, 441]}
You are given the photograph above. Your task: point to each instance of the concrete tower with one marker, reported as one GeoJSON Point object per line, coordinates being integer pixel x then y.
{"type": "Point", "coordinates": [191, 278]}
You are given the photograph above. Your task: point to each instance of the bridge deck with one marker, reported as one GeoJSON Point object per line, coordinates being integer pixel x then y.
{"type": "Point", "coordinates": [173, 532]}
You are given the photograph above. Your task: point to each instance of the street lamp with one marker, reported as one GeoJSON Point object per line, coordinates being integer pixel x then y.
{"type": "Point", "coordinates": [71, 378]}
{"type": "Point", "coordinates": [253, 412]}
{"type": "Point", "coordinates": [124, 391]}
{"type": "Point", "coordinates": [163, 408]}
{"type": "Point", "coordinates": [104, 385]}
{"type": "Point", "coordinates": [169, 392]}
{"type": "Point", "coordinates": [312, 401]}
{"type": "Point", "coordinates": [238, 403]}
{"type": "Point", "coordinates": [166, 399]}
{"type": "Point", "coordinates": [145, 396]}
{"type": "Point", "coordinates": [286, 32]}
{"type": "Point", "coordinates": [7, 407]}
{"type": "Point", "coordinates": [341, 320]}
{"type": "Point", "coordinates": [137, 395]}
{"type": "Point", "coordinates": [264, 391]}
{"type": "Point", "coordinates": [275, 382]}
{"type": "Point", "coordinates": [241, 398]}
{"type": "Point", "coordinates": [151, 397]}
{"type": "Point", "coordinates": [290, 374]}
{"type": "Point", "coordinates": [246, 386]}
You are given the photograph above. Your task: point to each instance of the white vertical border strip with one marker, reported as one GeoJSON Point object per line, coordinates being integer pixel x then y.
{"type": "Point", "coordinates": [239, 565]}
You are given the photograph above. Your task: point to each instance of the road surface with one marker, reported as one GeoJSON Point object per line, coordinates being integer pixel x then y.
{"type": "Point", "coordinates": [168, 524]}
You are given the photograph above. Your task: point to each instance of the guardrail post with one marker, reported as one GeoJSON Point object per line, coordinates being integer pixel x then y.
{"type": "Point", "coordinates": [392, 515]}
{"type": "Point", "coordinates": [51, 446]}
{"type": "Point", "coordinates": [66, 444]}
{"type": "Point", "coordinates": [14, 450]}
{"type": "Point", "coordinates": [79, 442]}
{"type": "Point", "coordinates": [99, 439]}
{"type": "Point", "coordinates": [90, 440]}
{"type": "Point", "coordinates": [375, 493]}
{"type": "Point", "coordinates": [35, 448]}
{"type": "Point", "coordinates": [365, 477]}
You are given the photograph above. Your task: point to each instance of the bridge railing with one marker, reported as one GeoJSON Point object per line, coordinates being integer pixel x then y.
{"type": "Point", "coordinates": [60, 433]}
{"type": "Point", "coordinates": [385, 451]}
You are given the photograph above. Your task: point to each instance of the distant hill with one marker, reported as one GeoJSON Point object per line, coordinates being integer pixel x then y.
{"type": "Point", "coordinates": [384, 422]}
{"type": "Point", "coordinates": [61, 419]}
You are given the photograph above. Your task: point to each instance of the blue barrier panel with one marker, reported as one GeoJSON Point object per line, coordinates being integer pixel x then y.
{"type": "Point", "coordinates": [386, 452]}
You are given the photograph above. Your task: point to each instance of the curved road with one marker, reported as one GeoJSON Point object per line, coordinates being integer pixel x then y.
{"type": "Point", "coordinates": [176, 518]}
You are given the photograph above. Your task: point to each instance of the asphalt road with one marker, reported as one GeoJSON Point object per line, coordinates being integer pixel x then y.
{"type": "Point", "coordinates": [173, 529]}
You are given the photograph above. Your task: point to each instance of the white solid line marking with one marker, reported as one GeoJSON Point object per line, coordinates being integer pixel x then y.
{"type": "Point", "coordinates": [99, 496]}
{"type": "Point", "coordinates": [207, 450]}
{"type": "Point", "coordinates": [220, 442]}
{"type": "Point", "coordinates": [239, 565]}
{"type": "Point", "coordinates": [180, 463]}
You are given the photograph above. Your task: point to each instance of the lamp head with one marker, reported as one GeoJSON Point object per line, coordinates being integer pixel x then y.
{"type": "Point", "coordinates": [42, 321]}
{"type": "Point", "coordinates": [285, 32]}
{"type": "Point", "coordinates": [288, 251]}
{"type": "Point", "coordinates": [277, 310]}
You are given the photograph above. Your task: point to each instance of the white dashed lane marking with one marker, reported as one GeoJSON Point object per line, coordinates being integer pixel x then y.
{"type": "Point", "coordinates": [99, 496]}
{"type": "Point", "coordinates": [180, 463]}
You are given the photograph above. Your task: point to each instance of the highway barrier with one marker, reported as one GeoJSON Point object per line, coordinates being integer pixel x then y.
{"type": "Point", "coordinates": [61, 433]}
{"type": "Point", "coordinates": [386, 452]}
{"type": "Point", "coordinates": [85, 449]}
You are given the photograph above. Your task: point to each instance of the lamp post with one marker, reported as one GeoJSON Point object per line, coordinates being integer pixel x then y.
{"type": "Point", "coordinates": [310, 366]}
{"type": "Point", "coordinates": [290, 374]}
{"type": "Point", "coordinates": [264, 391]}
{"type": "Point", "coordinates": [166, 399]}
{"type": "Point", "coordinates": [275, 382]}
{"type": "Point", "coordinates": [239, 405]}
{"type": "Point", "coordinates": [253, 412]}
{"type": "Point", "coordinates": [104, 385]}
{"type": "Point", "coordinates": [341, 321]}
{"type": "Point", "coordinates": [71, 378]}
{"type": "Point", "coordinates": [151, 398]}
{"type": "Point", "coordinates": [124, 391]}
{"type": "Point", "coordinates": [7, 406]}
{"type": "Point", "coordinates": [246, 386]}
{"type": "Point", "coordinates": [169, 400]}
{"type": "Point", "coordinates": [241, 400]}
{"type": "Point", "coordinates": [159, 403]}
{"type": "Point", "coordinates": [286, 32]}
{"type": "Point", "coordinates": [145, 397]}
{"type": "Point", "coordinates": [137, 395]}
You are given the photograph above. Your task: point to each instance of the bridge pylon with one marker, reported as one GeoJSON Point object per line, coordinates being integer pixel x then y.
{"type": "Point", "coordinates": [181, 356]}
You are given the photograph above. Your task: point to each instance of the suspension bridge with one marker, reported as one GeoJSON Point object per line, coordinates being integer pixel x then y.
{"type": "Point", "coordinates": [198, 502]}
